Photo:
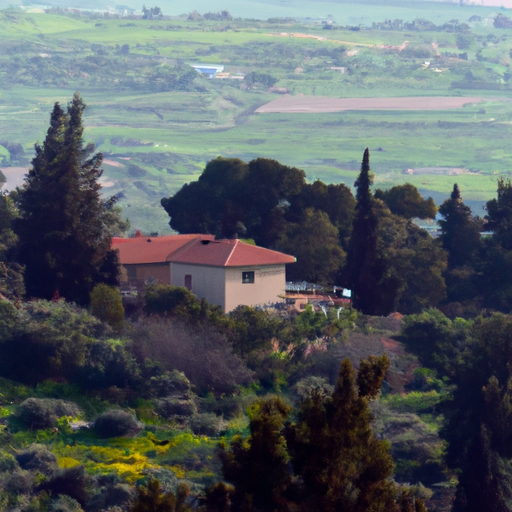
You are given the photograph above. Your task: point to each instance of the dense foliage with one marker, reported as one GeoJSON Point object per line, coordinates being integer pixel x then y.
{"type": "Point", "coordinates": [64, 226]}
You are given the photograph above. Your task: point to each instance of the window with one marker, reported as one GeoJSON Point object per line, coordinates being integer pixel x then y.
{"type": "Point", "coordinates": [188, 282]}
{"type": "Point", "coordinates": [247, 277]}
{"type": "Point", "coordinates": [131, 271]}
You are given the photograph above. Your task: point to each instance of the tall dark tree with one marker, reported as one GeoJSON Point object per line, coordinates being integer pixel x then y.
{"type": "Point", "coordinates": [365, 266]}
{"type": "Point", "coordinates": [343, 466]}
{"type": "Point", "coordinates": [11, 272]}
{"type": "Point", "coordinates": [499, 214]}
{"type": "Point", "coordinates": [258, 466]}
{"type": "Point", "coordinates": [65, 227]}
{"type": "Point", "coordinates": [460, 231]}
{"type": "Point", "coordinates": [479, 418]}
{"type": "Point", "coordinates": [328, 461]}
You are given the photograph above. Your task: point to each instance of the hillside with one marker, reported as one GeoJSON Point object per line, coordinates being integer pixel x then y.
{"type": "Point", "coordinates": [158, 123]}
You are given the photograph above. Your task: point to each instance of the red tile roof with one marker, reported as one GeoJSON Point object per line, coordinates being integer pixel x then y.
{"type": "Point", "coordinates": [143, 249]}
{"type": "Point", "coordinates": [228, 253]}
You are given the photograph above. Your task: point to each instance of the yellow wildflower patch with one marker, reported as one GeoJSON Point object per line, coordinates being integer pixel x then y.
{"type": "Point", "coordinates": [67, 462]}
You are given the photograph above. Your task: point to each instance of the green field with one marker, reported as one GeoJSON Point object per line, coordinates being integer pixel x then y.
{"type": "Point", "coordinates": [158, 126]}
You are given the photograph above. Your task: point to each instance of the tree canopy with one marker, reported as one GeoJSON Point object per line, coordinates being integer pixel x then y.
{"type": "Point", "coordinates": [65, 227]}
{"type": "Point", "coordinates": [406, 201]}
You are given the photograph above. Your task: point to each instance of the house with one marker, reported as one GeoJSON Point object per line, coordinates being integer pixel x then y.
{"type": "Point", "coordinates": [148, 258]}
{"type": "Point", "coordinates": [228, 273]}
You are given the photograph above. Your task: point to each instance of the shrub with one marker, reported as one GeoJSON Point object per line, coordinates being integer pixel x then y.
{"type": "Point", "coordinates": [169, 407]}
{"type": "Point", "coordinates": [207, 424]}
{"type": "Point", "coordinates": [107, 305]}
{"type": "Point", "coordinates": [38, 458]}
{"type": "Point", "coordinates": [18, 482]}
{"type": "Point", "coordinates": [311, 384]}
{"type": "Point", "coordinates": [52, 340]}
{"type": "Point", "coordinates": [202, 353]}
{"type": "Point", "coordinates": [7, 463]}
{"type": "Point", "coordinates": [115, 423]}
{"type": "Point", "coordinates": [72, 482]}
{"type": "Point", "coordinates": [40, 413]}
{"type": "Point", "coordinates": [65, 504]}
{"type": "Point", "coordinates": [119, 495]}
{"type": "Point", "coordinates": [172, 383]}
{"type": "Point", "coordinates": [167, 300]}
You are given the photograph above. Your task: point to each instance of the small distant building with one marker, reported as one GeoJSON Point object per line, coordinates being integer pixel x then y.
{"type": "Point", "coordinates": [210, 71]}
{"type": "Point", "coordinates": [228, 273]}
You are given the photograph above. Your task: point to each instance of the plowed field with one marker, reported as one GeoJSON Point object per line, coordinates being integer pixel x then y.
{"type": "Point", "coordinates": [303, 104]}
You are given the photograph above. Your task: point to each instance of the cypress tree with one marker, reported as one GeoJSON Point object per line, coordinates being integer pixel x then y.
{"type": "Point", "coordinates": [460, 234]}
{"type": "Point", "coordinates": [65, 227]}
{"type": "Point", "coordinates": [365, 267]}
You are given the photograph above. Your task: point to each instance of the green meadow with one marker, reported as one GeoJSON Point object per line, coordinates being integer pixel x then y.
{"type": "Point", "coordinates": [158, 126]}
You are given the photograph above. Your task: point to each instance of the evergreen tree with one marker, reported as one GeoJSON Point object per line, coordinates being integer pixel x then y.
{"type": "Point", "coordinates": [479, 418]}
{"type": "Point", "coordinates": [343, 466]}
{"type": "Point", "coordinates": [314, 242]}
{"type": "Point", "coordinates": [499, 214]}
{"type": "Point", "coordinates": [329, 461]}
{"type": "Point", "coordinates": [11, 273]}
{"type": "Point", "coordinates": [258, 466]}
{"type": "Point", "coordinates": [460, 231]}
{"type": "Point", "coordinates": [152, 499]}
{"type": "Point", "coordinates": [65, 227]}
{"type": "Point", "coordinates": [406, 201]}
{"type": "Point", "coordinates": [365, 266]}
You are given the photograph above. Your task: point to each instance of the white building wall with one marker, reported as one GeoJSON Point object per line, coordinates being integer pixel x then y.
{"type": "Point", "coordinates": [269, 283]}
{"type": "Point", "coordinates": [207, 282]}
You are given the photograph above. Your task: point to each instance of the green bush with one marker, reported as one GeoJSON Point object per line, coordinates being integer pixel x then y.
{"type": "Point", "coordinates": [169, 407]}
{"type": "Point", "coordinates": [40, 413]}
{"type": "Point", "coordinates": [65, 504]}
{"type": "Point", "coordinates": [207, 424]}
{"type": "Point", "coordinates": [169, 384]}
{"type": "Point", "coordinates": [118, 495]}
{"type": "Point", "coordinates": [7, 462]}
{"type": "Point", "coordinates": [166, 300]}
{"type": "Point", "coordinates": [38, 458]}
{"type": "Point", "coordinates": [115, 423]}
{"type": "Point", "coordinates": [18, 482]}
{"type": "Point", "coordinates": [107, 305]}
{"type": "Point", "coordinates": [415, 401]}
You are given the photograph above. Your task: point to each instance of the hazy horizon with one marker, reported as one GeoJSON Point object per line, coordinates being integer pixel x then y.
{"type": "Point", "coordinates": [343, 11]}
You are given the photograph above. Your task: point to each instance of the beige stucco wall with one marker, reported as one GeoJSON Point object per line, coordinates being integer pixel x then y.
{"type": "Point", "coordinates": [160, 272]}
{"type": "Point", "coordinates": [269, 283]}
{"type": "Point", "coordinates": [207, 282]}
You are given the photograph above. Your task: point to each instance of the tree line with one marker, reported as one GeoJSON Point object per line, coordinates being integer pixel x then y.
{"type": "Point", "coordinates": [369, 242]}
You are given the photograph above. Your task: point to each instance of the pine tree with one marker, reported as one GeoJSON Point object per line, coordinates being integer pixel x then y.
{"type": "Point", "coordinates": [343, 466]}
{"type": "Point", "coordinates": [258, 466]}
{"type": "Point", "coordinates": [460, 233]}
{"type": "Point", "coordinates": [65, 227]}
{"type": "Point", "coordinates": [365, 267]}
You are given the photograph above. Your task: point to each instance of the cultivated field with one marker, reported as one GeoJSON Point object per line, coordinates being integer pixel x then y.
{"type": "Point", "coordinates": [292, 104]}
{"type": "Point", "coordinates": [158, 126]}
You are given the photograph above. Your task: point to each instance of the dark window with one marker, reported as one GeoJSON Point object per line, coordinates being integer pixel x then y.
{"type": "Point", "coordinates": [188, 282]}
{"type": "Point", "coordinates": [247, 277]}
{"type": "Point", "coordinates": [131, 271]}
